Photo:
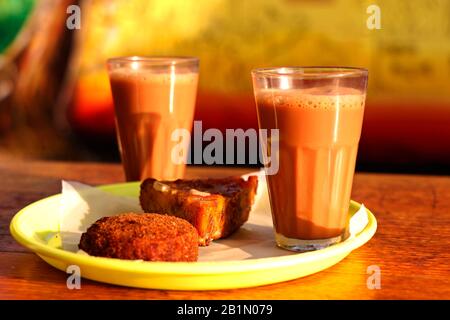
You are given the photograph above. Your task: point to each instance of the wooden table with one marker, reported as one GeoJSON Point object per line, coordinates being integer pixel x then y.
{"type": "Point", "coordinates": [411, 246]}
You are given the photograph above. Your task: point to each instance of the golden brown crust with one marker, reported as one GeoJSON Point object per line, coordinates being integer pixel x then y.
{"type": "Point", "coordinates": [146, 236]}
{"type": "Point", "coordinates": [215, 207]}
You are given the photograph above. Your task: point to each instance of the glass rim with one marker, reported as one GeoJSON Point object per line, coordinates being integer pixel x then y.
{"type": "Point", "coordinates": [310, 72]}
{"type": "Point", "coordinates": [158, 61]}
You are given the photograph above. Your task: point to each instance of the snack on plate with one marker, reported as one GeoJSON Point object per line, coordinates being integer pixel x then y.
{"type": "Point", "coordinates": [144, 236]}
{"type": "Point", "coordinates": [215, 207]}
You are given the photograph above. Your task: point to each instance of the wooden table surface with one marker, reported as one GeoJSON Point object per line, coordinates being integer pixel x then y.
{"type": "Point", "coordinates": [411, 246]}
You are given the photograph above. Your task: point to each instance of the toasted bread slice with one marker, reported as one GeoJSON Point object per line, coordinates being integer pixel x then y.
{"type": "Point", "coordinates": [215, 207]}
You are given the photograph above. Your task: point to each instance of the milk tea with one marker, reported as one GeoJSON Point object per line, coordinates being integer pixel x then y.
{"type": "Point", "coordinates": [149, 106]}
{"type": "Point", "coordinates": [319, 131]}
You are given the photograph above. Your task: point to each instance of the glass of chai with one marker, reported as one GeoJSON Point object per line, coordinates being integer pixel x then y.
{"type": "Point", "coordinates": [318, 112]}
{"type": "Point", "coordinates": [153, 97]}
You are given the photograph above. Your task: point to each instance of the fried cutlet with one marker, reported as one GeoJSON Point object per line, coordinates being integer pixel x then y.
{"type": "Point", "coordinates": [215, 207]}
{"type": "Point", "coordinates": [145, 236]}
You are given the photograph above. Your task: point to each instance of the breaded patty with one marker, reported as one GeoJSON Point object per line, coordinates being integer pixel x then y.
{"type": "Point", "coordinates": [146, 236]}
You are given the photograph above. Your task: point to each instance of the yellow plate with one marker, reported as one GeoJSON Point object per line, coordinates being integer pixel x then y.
{"type": "Point", "coordinates": [36, 225]}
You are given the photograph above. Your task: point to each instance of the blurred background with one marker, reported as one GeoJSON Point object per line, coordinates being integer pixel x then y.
{"type": "Point", "coordinates": [55, 100]}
